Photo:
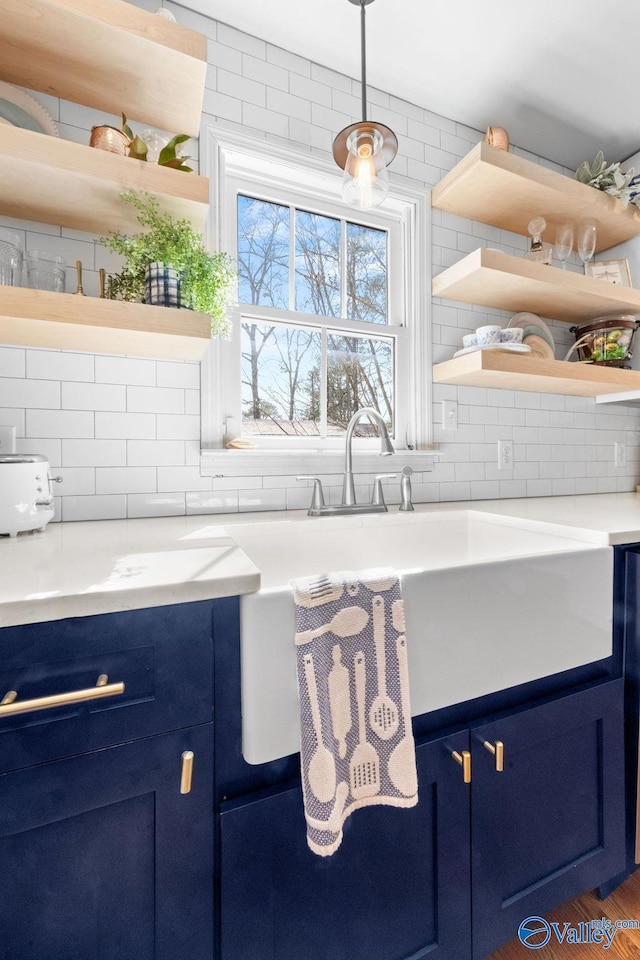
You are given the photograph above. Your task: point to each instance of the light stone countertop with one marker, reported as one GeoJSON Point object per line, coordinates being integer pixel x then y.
{"type": "Point", "coordinates": [92, 567]}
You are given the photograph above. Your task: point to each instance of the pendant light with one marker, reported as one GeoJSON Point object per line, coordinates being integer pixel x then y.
{"type": "Point", "coordinates": [365, 149]}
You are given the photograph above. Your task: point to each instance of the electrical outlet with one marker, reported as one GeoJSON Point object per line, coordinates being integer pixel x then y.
{"type": "Point", "coordinates": [620, 454]}
{"type": "Point", "coordinates": [7, 439]}
{"type": "Point", "coordinates": [505, 455]}
{"type": "Point", "coordinates": [449, 415]}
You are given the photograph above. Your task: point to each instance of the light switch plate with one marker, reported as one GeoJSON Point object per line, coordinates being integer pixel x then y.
{"type": "Point", "coordinates": [7, 439]}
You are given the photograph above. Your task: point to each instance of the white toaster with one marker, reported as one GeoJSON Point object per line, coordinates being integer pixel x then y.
{"type": "Point", "coordinates": [26, 493]}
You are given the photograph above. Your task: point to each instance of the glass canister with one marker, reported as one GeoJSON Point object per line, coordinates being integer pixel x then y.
{"type": "Point", "coordinates": [606, 341]}
{"type": "Point", "coordinates": [11, 258]}
{"type": "Point", "coordinates": [45, 271]}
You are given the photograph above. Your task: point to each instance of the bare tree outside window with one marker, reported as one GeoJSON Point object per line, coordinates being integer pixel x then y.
{"type": "Point", "coordinates": [282, 363]}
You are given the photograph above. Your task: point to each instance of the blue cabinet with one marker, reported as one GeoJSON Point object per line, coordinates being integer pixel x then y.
{"type": "Point", "coordinates": [551, 824]}
{"type": "Point", "coordinates": [104, 852]}
{"type": "Point", "coordinates": [397, 887]}
{"type": "Point", "coordinates": [454, 876]}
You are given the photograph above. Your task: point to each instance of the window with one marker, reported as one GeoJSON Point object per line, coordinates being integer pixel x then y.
{"type": "Point", "coordinates": [330, 306]}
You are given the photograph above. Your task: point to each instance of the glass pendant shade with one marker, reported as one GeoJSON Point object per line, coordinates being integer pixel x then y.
{"type": "Point", "coordinates": [366, 182]}
{"type": "Point", "coordinates": [365, 149]}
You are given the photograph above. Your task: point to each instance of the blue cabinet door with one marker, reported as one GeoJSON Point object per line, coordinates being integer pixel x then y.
{"type": "Point", "coordinates": [103, 858]}
{"type": "Point", "coordinates": [398, 886]}
{"type": "Point", "coordinates": [551, 825]}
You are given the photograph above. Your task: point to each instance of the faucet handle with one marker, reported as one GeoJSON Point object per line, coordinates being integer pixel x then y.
{"type": "Point", "coordinates": [377, 496]}
{"type": "Point", "coordinates": [317, 499]}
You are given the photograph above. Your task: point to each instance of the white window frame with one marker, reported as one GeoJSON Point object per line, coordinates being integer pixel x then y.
{"type": "Point", "coordinates": [237, 163]}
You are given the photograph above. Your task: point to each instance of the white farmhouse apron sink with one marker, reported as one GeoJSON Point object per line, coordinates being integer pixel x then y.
{"type": "Point", "coordinates": [490, 602]}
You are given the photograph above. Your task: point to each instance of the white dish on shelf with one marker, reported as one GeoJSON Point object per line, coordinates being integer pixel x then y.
{"type": "Point", "coordinates": [509, 347]}
{"type": "Point", "coordinates": [19, 109]}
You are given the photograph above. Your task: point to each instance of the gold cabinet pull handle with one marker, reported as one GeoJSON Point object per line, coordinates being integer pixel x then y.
{"type": "Point", "coordinates": [464, 759]}
{"type": "Point", "coordinates": [11, 706]}
{"type": "Point", "coordinates": [187, 771]}
{"type": "Point", "coordinates": [497, 750]}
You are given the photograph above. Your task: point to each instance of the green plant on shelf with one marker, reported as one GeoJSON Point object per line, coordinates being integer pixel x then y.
{"type": "Point", "coordinates": [609, 178]}
{"type": "Point", "coordinates": [208, 279]}
{"type": "Point", "coordinates": [168, 156]}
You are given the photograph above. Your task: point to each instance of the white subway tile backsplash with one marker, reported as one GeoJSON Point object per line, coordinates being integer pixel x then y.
{"type": "Point", "coordinates": [45, 446]}
{"type": "Point", "coordinates": [220, 501]}
{"type": "Point", "coordinates": [156, 505]}
{"type": "Point", "coordinates": [59, 423]}
{"type": "Point", "coordinates": [94, 453]}
{"type": "Point", "coordinates": [126, 480]}
{"type": "Point", "coordinates": [125, 431]}
{"type": "Point", "coordinates": [92, 396]}
{"type": "Point", "coordinates": [182, 478]}
{"type": "Point", "coordinates": [155, 400]}
{"type": "Point", "coordinates": [129, 426]}
{"type": "Point", "coordinates": [94, 508]}
{"type": "Point", "coordinates": [27, 393]}
{"type": "Point", "coordinates": [12, 362]}
{"type": "Point", "coordinates": [13, 417]}
{"type": "Point", "coordinates": [178, 375]}
{"type": "Point", "coordinates": [76, 481]}
{"type": "Point", "coordinates": [178, 428]}
{"type": "Point", "coordinates": [289, 61]}
{"type": "Point", "coordinates": [147, 453]}
{"type": "Point", "coordinates": [265, 73]}
{"type": "Point", "coordinates": [124, 370]}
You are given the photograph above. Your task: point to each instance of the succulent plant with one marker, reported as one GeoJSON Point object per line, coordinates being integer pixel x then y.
{"type": "Point", "coordinates": [609, 178]}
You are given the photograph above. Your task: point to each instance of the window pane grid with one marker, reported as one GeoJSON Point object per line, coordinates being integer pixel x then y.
{"type": "Point", "coordinates": [317, 286]}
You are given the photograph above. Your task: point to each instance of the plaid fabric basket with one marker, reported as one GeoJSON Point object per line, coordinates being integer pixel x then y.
{"type": "Point", "coordinates": [163, 286]}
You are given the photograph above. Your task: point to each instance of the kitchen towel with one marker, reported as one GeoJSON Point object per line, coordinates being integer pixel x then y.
{"type": "Point", "coordinates": [356, 744]}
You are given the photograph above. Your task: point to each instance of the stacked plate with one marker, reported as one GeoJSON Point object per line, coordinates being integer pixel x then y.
{"type": "Point", "coordinates": [536, 335]}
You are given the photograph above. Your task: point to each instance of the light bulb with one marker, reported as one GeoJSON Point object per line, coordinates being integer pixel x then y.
{"type": "Point", "coordinates": [366, 181]}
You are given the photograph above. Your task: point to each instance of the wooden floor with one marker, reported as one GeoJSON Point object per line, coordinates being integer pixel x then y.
{"type": "Point", "coordinates": [622, 904]}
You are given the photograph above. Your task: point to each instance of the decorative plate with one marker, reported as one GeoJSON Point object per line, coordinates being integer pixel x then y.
{"type": "Point", "coordinates": [21, 110]}
{"type": "Point", "coordinates": [539, 347]}
{"type": "Point", "coordinates": [509, 347]}
{"type": "Point", "coordinates": [532, 324]}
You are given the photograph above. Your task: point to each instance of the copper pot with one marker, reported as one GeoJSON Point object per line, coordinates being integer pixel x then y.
{"type": "Point", "coordinates": [110, 139]}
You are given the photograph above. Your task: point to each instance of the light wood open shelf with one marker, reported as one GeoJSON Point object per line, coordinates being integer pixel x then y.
{"type": "Point", "coordinates": [37, 318]}
{"type": "Point", "coordinates": [491, 278]}
{"type": "Point", "coordinates": [503, 190]}
{"type": "Point", "coordinates": [516, 371]}
{"type": "Point", "coordinates": [72, 185]}
{"type": "Point", "coordinates": [109, 55]}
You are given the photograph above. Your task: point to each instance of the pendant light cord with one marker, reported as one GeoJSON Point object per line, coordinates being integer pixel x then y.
{"type": "Point", "coordinates": [363, 51]}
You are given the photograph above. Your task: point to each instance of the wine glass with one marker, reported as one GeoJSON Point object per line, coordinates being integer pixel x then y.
{"type": "Point", "coordinates": [586, 241]}
{"type": "Point", "coordinates": [564, 242]}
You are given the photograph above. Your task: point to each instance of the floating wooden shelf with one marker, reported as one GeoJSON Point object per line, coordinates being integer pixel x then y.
{"type": "Point", "coordinates": [109, 55]}
{"type": "Point", "coordinates": [71, 185]}
{"type": "Point", "coordinates": [491, 278]}
{"type": "Point", "coordinates": [511, 371]}
{"type": "Point", "coordinates": [37, 318]}
{"type": "Point", "coordinates": [501, 189]}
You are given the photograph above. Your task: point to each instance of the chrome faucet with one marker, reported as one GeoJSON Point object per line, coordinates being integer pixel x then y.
{"type": "Point", "coordinates": [386, 449]}
{"type": "Point", "coordinates": [318, 507]}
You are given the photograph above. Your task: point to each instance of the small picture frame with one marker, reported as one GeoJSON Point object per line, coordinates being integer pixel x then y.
{"type": "Point", "coordinates": [613, 271]}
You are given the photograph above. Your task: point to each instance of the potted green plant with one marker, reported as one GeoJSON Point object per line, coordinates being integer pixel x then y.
{"type": "Point", "coordinates": [202, 281]}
